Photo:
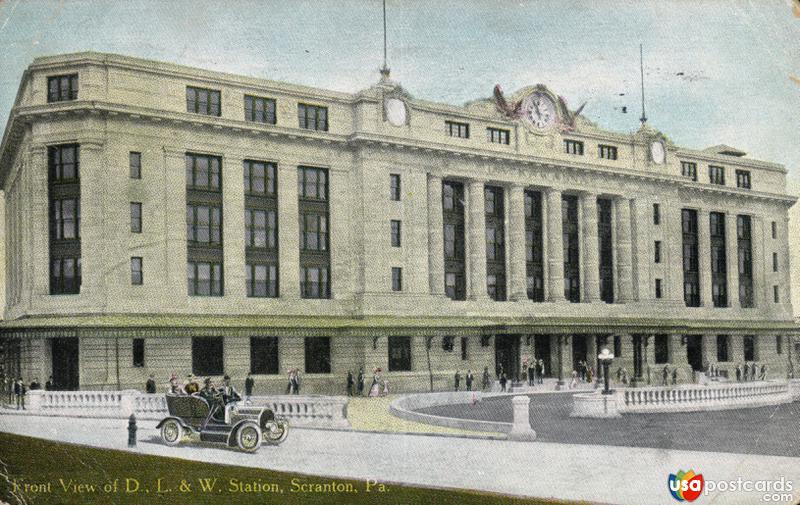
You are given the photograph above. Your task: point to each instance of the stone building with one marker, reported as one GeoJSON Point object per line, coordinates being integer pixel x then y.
{"type": "Point", "coordinates": [163, 219]}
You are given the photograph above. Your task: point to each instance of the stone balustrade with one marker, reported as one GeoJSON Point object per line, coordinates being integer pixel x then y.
{"type": "Point", "coordinates": [307, 411]}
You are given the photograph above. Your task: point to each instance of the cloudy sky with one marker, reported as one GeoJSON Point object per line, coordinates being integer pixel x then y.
{"type": "Point", "coordinates": [716, 71]}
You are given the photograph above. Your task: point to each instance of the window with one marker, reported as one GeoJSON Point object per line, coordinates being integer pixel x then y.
{"type": "Point", "coordinates": [607, 152]}
{"type": "Point", "coordinates": [454, 286]}
{"type": "Point", "coordinates": [455, 129]}
{"type": "Point", "coordinates": [207, 356]}
{"type": "Point", "coordinates": [453, 231]}
{"type": "Point", "coordinates": [264, 356]}
{"type": "Point", "coordinates": [312, 117]}
{"type": "Point", "coordinates": [617, 346]}
{"type": "Point", "coordinates": [498, 135]}
{"type": "Point", "coordinates": [312, 183]}
{"type": "Point", "coordinates": [65, 217]}
{"type": "Point", "coordinates": [496, 287]}
{"type": "Point", "coordinates": [744, 260]}
{"type": "Point", "coordinates": [137, 277]}
{"type": "Point", "coordinates": [259, 110]}
{"type": "Point", "coordinates": [204, 278]}
{"type": "Point", "coordinates": [573, 147]}
{"type": "Point", "coordinates": [571, 244]}
{"type": "Point", "coordinates": [204, 224]}
{"type": "Point", "coordinates": [202, 101]}
{"type": "Point", "coordinates": [719, 260]}
{"type": "Point", "coordinates": [313, 232]}
{"type": "Point", "coordinates": [138, 352]}
{"type": "Point", "coordinates": [399, 354]}
{"type": "Point", "coordinates": [62, 88]}
{"type": "Point", "coordinates": [722, 348]}
{"type": "Point", "coordinates": [716, 175]}
{"type": "Point", "coordinates": [136, 217]}
{"type": "Point", "coordinates": [774, 229]}
{"type": "Point", "coordinates": [262, 280]}
{"type": "Point", "coordinates": [605, 234]}
{"type": "Point", "coordinates": [318, 354]}
{"type": "Point", "coordinates": [774, 262]}
{"type": "Point", "coordinates": [314, 282]}
{"type": "Point", "coordinates": [659, 293]}
{"type": "Point", "coordinates": [65, 276]}
{"type": "Point", "coordinates": [656, 214]}
{"type": "Point", "coordinates": [135, 164]}
{"type": "Point", "coordinates": [749, 348]}
{"type": "Point", "coordinates": [657, 251]}
{"type": "Point", "coordinates": [464, 348]}
{"type": "Point", "coordinates": [394, 184]}
{"type": "Point", "coordinates": [259, 178]}
{"type": "Point", "coordinates": [661, 349]}
{"type": "Point", "coordinates": [447, 343]}
{"type": "Point", "coordinates": [203, 172]}
{"type": "Point", "coordinates": [260, 229]}
{"type": "Point", "coordinates": [775, 293]}
{"type": "Point", "coordinates": [495, 250]}
{"type": "Point", "coordinates": [397, 279]}
{"type": "Point", "coordinates": [689, 170]}
{"type": "Point", "coordinates": [691, 275]}
{"type": "Point", "coordinates": [63, 163]}
{"type": "Point", "coordinates": [395, 233]}
{"type": "Point", "coordinates": [779, 344]}
{"type": "Point", "coordinates": [743, 179]}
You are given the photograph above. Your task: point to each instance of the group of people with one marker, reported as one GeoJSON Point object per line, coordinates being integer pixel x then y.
{"type": "Point", "coordinates": [751, 372]}
{"type": "Point", "coordinates": [468, 380]}
{"type": "Point", "coordinates": [666, 373]}
{"type": "Point", "coordinates": [16, 389]}
{"type": "Point", "coordinates": [355, 385]}
{"type": "Point", "coordinates": [536, 372]}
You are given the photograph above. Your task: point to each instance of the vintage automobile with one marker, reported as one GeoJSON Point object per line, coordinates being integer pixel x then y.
{"type": "Point", "coordinates": [235, 424]}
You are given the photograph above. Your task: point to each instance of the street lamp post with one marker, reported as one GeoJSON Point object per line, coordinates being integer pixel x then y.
{"type": "Point", "coordinates": [606, 358]}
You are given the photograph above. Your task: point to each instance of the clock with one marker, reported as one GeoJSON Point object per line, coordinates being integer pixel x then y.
{"type": "Point", "coordinates": [539, 110]}
{"type": "Point", "coordinates": [657, 153]}
{"type": "Point", "coordinates": [395, 111]}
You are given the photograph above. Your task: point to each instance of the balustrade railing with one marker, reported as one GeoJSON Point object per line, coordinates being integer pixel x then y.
{"type": "Point", "coordinates": [686, 398]}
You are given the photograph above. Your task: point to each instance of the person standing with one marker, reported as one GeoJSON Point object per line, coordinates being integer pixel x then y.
{"type": "Point", "coordinates": [764, 372]}
{"type": "Point", "coordinates": [469, 379]}
{"type": "Point", "coordinates": [574, 382]}
{"type": "Point", "coordinates": [457, 380]}
{"type": "Point", "coordinates": [674, 376]}
{"type": "Point", "coordinates": [149, 386]}
{"type": "Point", "coordinates": [350, 383]}
{"type": "Point", "coordinates": [249, 383]}
{"type": "Point", "coordinates": [19, 392]}
{"type": "Point", "coordinates": [35, 385]}
{"type": "Point", "coordinates": [753, 370]}
{"type": "Point", "coordinates": [360, 382]}
{"type": "Point", "coordinates": [745, 371]}
{"type": "Point", "coordinates": [738, 373]}
{"type": "Point", "coordinates": [375, 388]}
{"type": "Point", "coordinates": [175, 387]}
{"type": "Point", "coordinates": [503, 381]}
{"type": "Point", "coordinates": [485, 379]}
{"type": "Point", "coordinates": [541, 371]}
{"type": "Point", "coordinates": [296, 381]}
{"type": "Point", "coordinates": [664, 375]}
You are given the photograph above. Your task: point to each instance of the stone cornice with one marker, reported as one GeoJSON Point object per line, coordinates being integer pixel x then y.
{"type": "Point", "coordinates": [692, 155]}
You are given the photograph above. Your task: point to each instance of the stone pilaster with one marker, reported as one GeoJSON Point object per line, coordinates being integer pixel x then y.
{"type": "Point", "coordinates": [435, 236]}
{"type": "Point", "coordinates": [36, 276]}
{"type": "Point", "coordinates": [760, 285]}
{"type": "Point", "coordinates": [339, 232]}
{"type": "Point", "coordinates": [622, 207]}
{"type": "Point", "coordinates": [92, 231]}
{"type": "Point", "coordinates": [233, 227]}
{"type": "Point", "coordinates": [176, 255]}
{"type": "Point", "coordinates": [673, 246]}
{"type": "Point", "coordinates": [517, 244]}
{"type": "Point", "coordinates": [590, 263]}
{"type": "Point", "coordinates": [477, 241]}
{"type": "Point", "coordinates": [704, 257]}
{"type": "Point", "coordinates": [288, 228]}
{"type": "Point", "coordinates": [555, 247]}
{"type": "Point", "coordinates": [732, 259]}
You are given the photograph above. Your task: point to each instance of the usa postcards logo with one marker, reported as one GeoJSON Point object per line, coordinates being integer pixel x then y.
{"type": "Point", "coordinates": [685, 486]}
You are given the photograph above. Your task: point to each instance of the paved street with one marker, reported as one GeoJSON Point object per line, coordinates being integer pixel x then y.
{"type": "Point", "coordinates": [565, 471]}
{"type": "Point", "coordinates": [766, 430]}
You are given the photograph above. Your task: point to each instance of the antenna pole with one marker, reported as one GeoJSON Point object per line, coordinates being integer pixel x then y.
{"type": "Point", "coordinates": [643, 119]}
{"type": "Point", "coordinates": [385, 68]}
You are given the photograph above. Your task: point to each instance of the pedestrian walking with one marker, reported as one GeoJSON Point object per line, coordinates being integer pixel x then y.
{"type": "Point", "coordinates": [469, 378]}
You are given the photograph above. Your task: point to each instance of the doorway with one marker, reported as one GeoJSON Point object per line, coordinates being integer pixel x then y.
{"type": "Point", "coordinates": [506, 355]}
{"type": "Point", "coordinates": [65, 363]}
{"type": "Point", "coordinates": [579, 349]}
{"type": "Point", "coordinates": [542, 351]}
{"type": "Point", "coordinates": [694, 351]}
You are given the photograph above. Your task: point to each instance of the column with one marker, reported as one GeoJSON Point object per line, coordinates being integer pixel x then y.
{"type": "Point", "coordinates": [704, 257]}
{"type": "Point", "coordinates": [732, 259]}
{"type": "Point", "coordinates": [233, 227]}
{"type": "Point", "coordinates": [435, 236]}
{"type": "Point", "coordinates": [590, 263]}
{"type": "Point", "coordinates": [34, 223]}
{"type": "Point", "coordinates": [623, 250]}
{"type": "Point", "coordinates": [93, 262]}
{"type": "Point", "coordinates": [709, 350]}
{"type": "Point", "coordinates": [288, 228]}
{"type": "Point", "coordinates": [516, 243]}
{"type": "Point", "coordinates": [340, 229]}
{"type": "Point", "coordinates": [477, 242]}
{"type": "Point", "coordinates": [555, 247]}
{"type": "Point", "coordinates": [760, 284]}
{"type": "Point", "coordinates": [673, 245]}
{"type": "Point", "coordinates": [175, 253]}
{"type": "Point", "coordinates": [784, 261]}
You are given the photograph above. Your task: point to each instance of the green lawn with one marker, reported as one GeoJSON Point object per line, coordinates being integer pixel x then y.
{"type": "Point", "coordinates": [109, 476]}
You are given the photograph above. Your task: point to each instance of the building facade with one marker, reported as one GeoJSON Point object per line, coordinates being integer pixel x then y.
{"type": "Point", "coordinates": [163, 219]}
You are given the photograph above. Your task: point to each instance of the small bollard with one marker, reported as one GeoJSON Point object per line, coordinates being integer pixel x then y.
{"type": "Point", "coordinates": [521, 428]}
{"type": "Point", "coordinates": [132, 431]}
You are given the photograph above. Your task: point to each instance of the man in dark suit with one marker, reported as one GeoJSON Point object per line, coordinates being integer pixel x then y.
{"type": "Point", "coordinates": [249, 383]}
{"type": "Point", "coordinates": [457, 380]}
{"type": "Point", "coordinates": [49, 385]}
{"type": "Point", "coordinates": [35, 385]}
{"type": "Point", "coordinates": [469, 380]}
{"type": "Point", "coordinates": [19, 393]}
{"type": "Point", "coordinates": [350, 383]}
{"type": "Point", "coordinates": [150, 385]}
{"type": "Point", "coordinates": [360, 382]}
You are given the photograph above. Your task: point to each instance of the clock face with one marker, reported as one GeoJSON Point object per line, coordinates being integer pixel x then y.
{"type": "Point", "coordinates": [395, 111]}
{"type": "Point", "coordinates": [657, 152]}
{"type": "Point", "coordinates": [539, 110]}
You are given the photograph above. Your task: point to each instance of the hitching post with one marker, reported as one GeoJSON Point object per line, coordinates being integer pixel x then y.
{"type": "Point", "coordinates": [132, 431]}
{"type": "Point", "coordinates": [521, 429]}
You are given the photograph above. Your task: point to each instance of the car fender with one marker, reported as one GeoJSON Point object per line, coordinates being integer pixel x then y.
{"type": "Point", "coordinates": [180, 421]}
{"type": "Point", "coordinates": [235, 428]}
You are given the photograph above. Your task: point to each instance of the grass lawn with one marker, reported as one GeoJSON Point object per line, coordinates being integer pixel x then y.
{"type": "Point", "coordinates": [98, 476]}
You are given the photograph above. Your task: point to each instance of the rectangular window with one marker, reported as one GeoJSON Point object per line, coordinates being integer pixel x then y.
{"type": "Point", "coordinates": [498, 135]}
{"type": "Point", "coordinates": [207, 356]}
{"type": "Point", "coordinates": [453, 230]}
{"type": "Point", "coordinates": [259, 110]}
{"type": "Point", "coordinates": [689, 170]}
{"type": "Point", "coordinates": [745, 260]}
{"type": "Point", "coordinates": [657, 251]}
{"type": "Point", "coordinates": [456, 129]}
{"type": "Point", "coordinates": [397, 279]}
{"type": "Point", "coordinates": [606, 248]}
{"type": "Point", "coordinates": [264, 356]}
{"type": "Point", "coordinates": [691, 274]}
{"type": "Point", "coordinates": [312, 117]}
{"type": "Point", "coordinates": [607, 152]}
{"type": "Point", "coordinates": [203, 172]}
{"type": "Point", "coordinates": [262, 280]}
{"type": "Point", "coordinates": [494, 210]}
{"type": "Point", "coordinates": [722, 348]}
{"type": "Point", "coordinates": [314, 282]}
{"type": "Point", "coordinates": [260, 229]}
{"type": "Point", "coordinates": [65, 276]}
{"type": "Point", "coordinates": [135, 165]}
{"type": "Point", "coordinates": [399, 354]}
{"type": "Point", "coordinates": [260, 178]}
{"type": "Point", "coordinates": [137, 277]}
{"type": "Point", "coordinates": [656, 214]}
{"type": "Point", "coordinates": [774, 229]}
{"type": "Point", "coordinates": [571, 244]}
{"type": "Point", "coordinates": [464, 348]}
{"type": "Point", "coordinates": [534, 250]}
{"type": "Point", "coordinates": [774, 262]}
{"type": "Point", "coordinates": [719, 260]}
{"type": "Point", "coordinates": [716, 175]}
{"type": "Point", "coordinates": [203, 224]}
{"type": "Point", "coordinates": [202, 101]}
{"type": "Point", "coordinates": [138, 352]}
{"type": "Point", "coordinates": [136, 217]}
{"type": "Point", "coordinates": [204, 278]}
{"type": "Point", "coordinates": [775, 294]}
{"type": "Point", "coordinates": [318, 354]}
{"type": "Point", "coordinates": [659, 293]}
{"type": "Point", "coordinates": [395, 233]}
{"type": "Point", "coordinates": [62, 88]}
{"type": "Point", "coordinates": [65, 218]}
{"type": "Point", "coordinates": [573, 147]}
{"type": "Point", "coordinates": [749, 348]}
{"type": "Point", "coordinates": [312, 183]}
{"type": "Point", "coordinates": [313, 232]}
{"type": "Point", "coordinates": [743, 179]}
{"type": "Point", "coordinates": [63, 163]}
{"type": "Point", "coordinates": [779, 344]}
{"type": "Point", "coordinates": [447, 343]}
{"type": "Point", "coordinates": [394, 187]}
{"type": "Point", "coordinates": [64, 209]}
{"type": "Point", "coordinates": [661, 349]}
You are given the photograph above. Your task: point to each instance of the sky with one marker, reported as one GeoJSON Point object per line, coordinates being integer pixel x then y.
{"type": "Point", "coordinates": [715, 71]}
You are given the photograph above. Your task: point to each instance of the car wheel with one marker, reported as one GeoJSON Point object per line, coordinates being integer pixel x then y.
{"type": "Point", "coordinates": [171, 432]}
{"type": "Point", "coordinates": [248, 437]}
{"type": "Point", "coordinates": [276, 432]}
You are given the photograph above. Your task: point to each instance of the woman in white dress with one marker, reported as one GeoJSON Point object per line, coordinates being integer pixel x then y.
{"type": "Point", "coordinates": [375, 389]}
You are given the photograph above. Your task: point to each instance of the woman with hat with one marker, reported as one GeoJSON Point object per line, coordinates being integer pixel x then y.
{"type": "Point", "coordinates": [375, 389]}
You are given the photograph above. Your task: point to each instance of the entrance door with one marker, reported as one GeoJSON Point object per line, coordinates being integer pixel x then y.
{"type": "Point", "coordinates": [542, 351]}
{"type": "Point", "coordinates": [579, 348]}
{"type": "Point", "coordinates": [65, 363]}
{"type": "Point", "coordinates": [694, 351]}
{"type": "Point", "coordinates": [506, 355]}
